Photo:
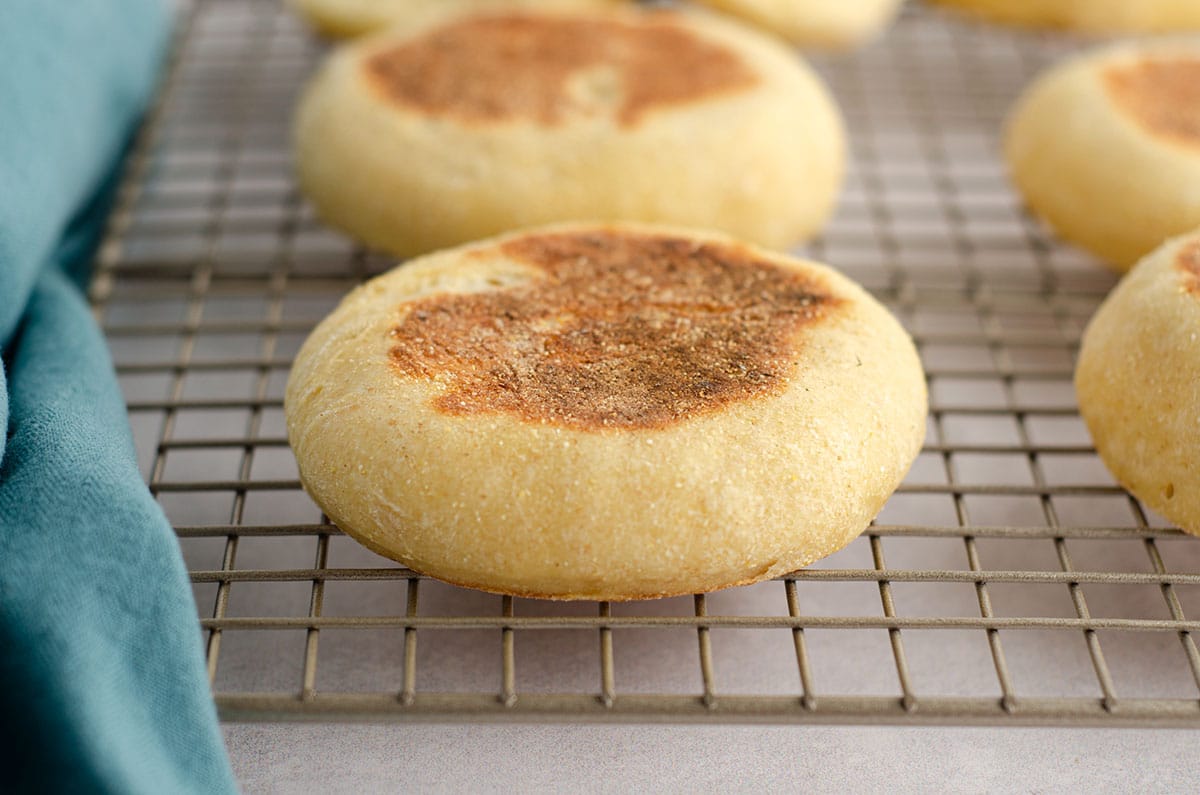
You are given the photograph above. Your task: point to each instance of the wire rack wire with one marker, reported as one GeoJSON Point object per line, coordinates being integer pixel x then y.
{"type": "Point", "coordinates": [1009, 580]}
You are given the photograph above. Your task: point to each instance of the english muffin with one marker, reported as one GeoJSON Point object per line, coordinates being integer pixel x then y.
{"type": "Point", "coordinates": [356, 17]}
{"type": "Point", "coordinates": [1106, 147]}
{"type": "Point", "coordinates": [605, 412]}
{"type": "Point", "coordinates": [1138, 381]}
{"type": "Point", "coordinates": [1089, 16]}
{"type": "Point", "coordinates": [832, 24]}
{"type": "Point", "coordinates": [430, 136]}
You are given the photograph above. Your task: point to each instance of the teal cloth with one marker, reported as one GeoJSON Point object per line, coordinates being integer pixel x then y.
{"type": "Point", "coordinates": [102, 682]}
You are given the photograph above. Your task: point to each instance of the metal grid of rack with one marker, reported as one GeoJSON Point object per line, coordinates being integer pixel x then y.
{"type": "Point", "coordinates": [1009, 580]}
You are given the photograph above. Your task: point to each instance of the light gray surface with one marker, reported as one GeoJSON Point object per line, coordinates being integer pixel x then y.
{"type": "Point", "coordinates": [368, 759]}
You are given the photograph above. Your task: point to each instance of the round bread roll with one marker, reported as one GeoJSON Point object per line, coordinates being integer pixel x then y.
{"type": "Point", "coordinates": [423, 138]}
{"type": "Point", "coordinates": [605, 412]}
{"type": "Point", "coordinates": [1089, 16]}
{"type": "Point", "coordinates": [1138, 381]}
{"type": "Point", "coordinates": [832, 24]}
{"type": "Point", "coordinates": [342, 18]}
{"type": "Point", "coordinates": [1106, 147]}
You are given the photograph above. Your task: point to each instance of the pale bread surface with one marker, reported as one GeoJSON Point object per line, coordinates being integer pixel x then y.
{"type": "Point", "coordinates": [526, 505]}
{"type": "Point", "coordinates": [820, 24]}
{"type": "Point", "coordinates": [1106, 178]}
{"type": "Point", "coordinates": [763, 161]}
{"type": "Point", "coordinates": [1138, 381]}
{"type": "Point", "coordinates": [348, 18]}
{"type": "Point", "coordinates": [1089, 16]}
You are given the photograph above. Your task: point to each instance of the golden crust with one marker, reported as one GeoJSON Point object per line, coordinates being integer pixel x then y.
{"type": "Point", "coordinates": [1138, 382]}
{"type": "Point", "coordinates": [473, 70]}
{"type": "Point", "coordinates": [1161, 95]}
{"type": "Point", "coordinates": [1187, 262]}
{"type": "Point", "coordinates": [1097, 150]}
{"type": "Point", "coordinates": [755, 148]}
{"type": "Point", "coordinates": [613, 330]}
{"type": "Point", "coordinates": [747, 488]}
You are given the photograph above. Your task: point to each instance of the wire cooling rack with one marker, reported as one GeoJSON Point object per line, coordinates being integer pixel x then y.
{"type": "Point", "coordinates": [1008, 581]}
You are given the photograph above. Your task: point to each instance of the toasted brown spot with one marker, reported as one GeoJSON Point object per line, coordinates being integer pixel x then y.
{"type": "Point", "coordinates": [618, 331]}
{"type": "Point", "coordinates": [1188, 262]}
{"type": "Point", "coordinates": [1161, 95]}
{"type": "Point", "coordinates": [550, 69]}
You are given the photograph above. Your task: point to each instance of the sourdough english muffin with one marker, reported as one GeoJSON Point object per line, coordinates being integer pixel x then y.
{"type": "Point", "coordinates": [1106, 147]}
{"type": "Point", "coordinates": [830, 24]}
{"type": "Point", "coordinates": [605, 412]}
{"type": "Point", "coordinates": [356, 17]}
{"type": "Point", "coordinates": [1138, 381]}
{"type": "Point", "coordinates": [1089, 16]}
{"type": "Point", "coordinates": [430, 136]}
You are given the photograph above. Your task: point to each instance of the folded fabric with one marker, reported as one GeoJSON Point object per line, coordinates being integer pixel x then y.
{"type": "Point", "coordinates": [102, 683]}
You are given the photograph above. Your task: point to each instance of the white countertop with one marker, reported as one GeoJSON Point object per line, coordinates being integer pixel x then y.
{"type": "Point", "coordinates": [372, 758]}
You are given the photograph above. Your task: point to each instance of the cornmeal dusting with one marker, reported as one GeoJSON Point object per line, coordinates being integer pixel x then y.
{"type": "Point", "coordinates": [1162, 95]}
{"type": "Point", "coordinates": [552, 68]}
{"type": "Point", "coordinates": [622, 331]}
